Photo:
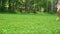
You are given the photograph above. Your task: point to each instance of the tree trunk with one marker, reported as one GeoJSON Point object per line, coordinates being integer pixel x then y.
{"type": "Point", "coordinates": [27, 3]}
{"type": "Point", "coordinates": [11, 6]}
{"type": "Point", "coordinates": [3, 5]}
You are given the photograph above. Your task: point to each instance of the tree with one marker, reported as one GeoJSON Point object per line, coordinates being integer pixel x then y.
{"type": "Point", "coordinates": [28, 6]}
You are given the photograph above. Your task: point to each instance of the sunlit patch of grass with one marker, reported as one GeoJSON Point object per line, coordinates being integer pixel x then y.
{"type": "Point", "coordinates": [28, 24]}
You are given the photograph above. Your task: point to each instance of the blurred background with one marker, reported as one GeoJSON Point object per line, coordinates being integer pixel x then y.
{"type": "Point", "coordinates": [28, 6]}
{"type": "Point", "coordinates": [32, 17]}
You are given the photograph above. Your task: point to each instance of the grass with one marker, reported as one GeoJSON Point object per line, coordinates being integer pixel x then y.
{"type": "Point", "coordinates": [29, 24]}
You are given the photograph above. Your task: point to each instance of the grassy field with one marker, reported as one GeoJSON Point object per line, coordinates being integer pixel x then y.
{"type": "Point", "coordinates": [29, 24]}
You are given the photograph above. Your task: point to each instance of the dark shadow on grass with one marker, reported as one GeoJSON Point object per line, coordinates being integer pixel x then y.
{"type": "Point", "coordinates": [57, 31]}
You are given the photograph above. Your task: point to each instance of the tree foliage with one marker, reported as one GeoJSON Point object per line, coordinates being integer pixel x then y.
{"type": "Point", "coordinates": [29, 6]}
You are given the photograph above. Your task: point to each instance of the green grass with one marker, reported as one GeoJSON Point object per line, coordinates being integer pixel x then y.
{"type": "Point", "coordinates": [29, 24]}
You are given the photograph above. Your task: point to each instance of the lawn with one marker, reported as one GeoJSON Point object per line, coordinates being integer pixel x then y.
{"type": "Point", "coordinates": [29, 24]}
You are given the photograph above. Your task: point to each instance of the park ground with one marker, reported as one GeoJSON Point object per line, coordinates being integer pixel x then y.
{"type": "Point", "coordinates": [29, 24]}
